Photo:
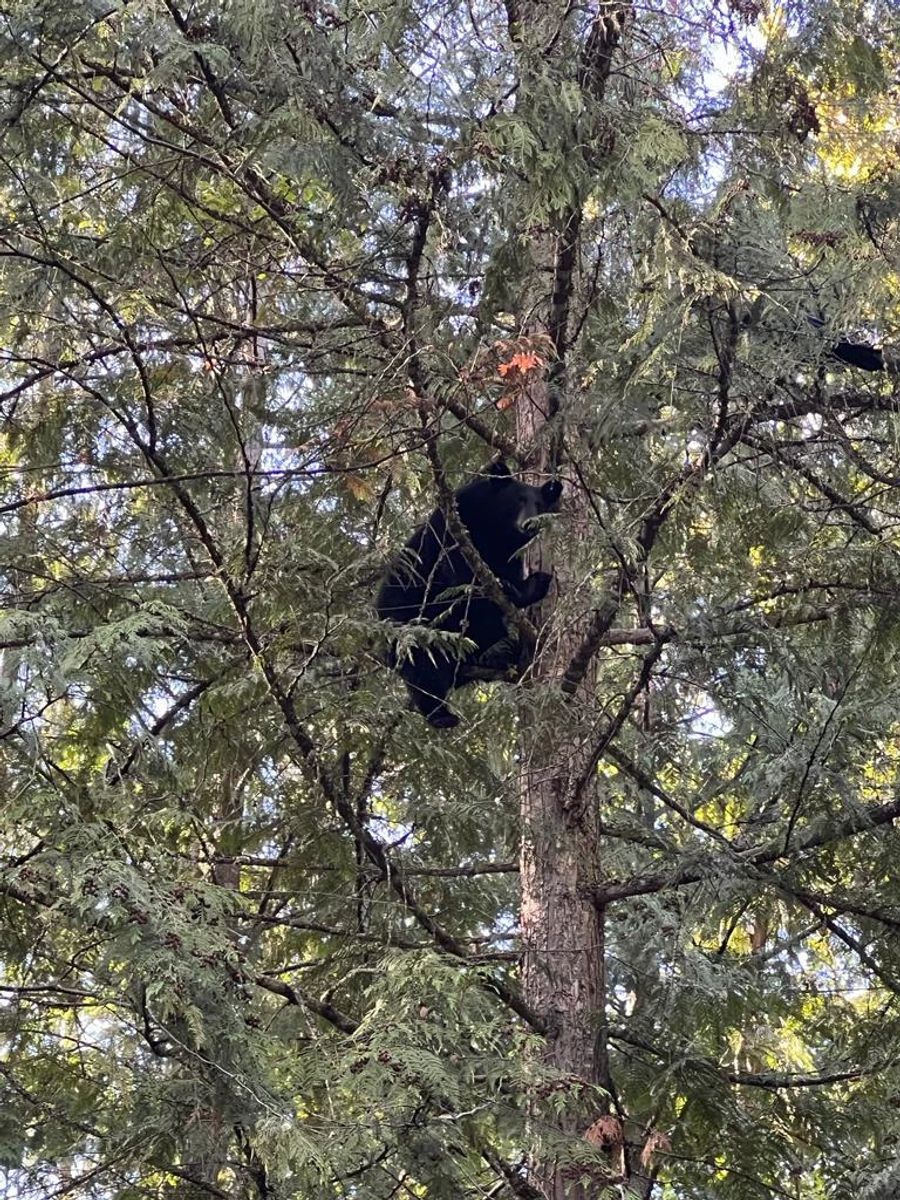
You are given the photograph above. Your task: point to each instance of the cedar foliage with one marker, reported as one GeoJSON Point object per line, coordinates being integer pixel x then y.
{"type": "Point", "coordinates": [259, 923]}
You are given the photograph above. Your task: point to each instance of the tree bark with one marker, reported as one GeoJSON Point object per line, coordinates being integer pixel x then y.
{"type": "Point", "coordinates": [562, 926]}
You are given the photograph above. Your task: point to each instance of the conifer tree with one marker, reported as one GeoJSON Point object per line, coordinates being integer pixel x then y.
{"type": "Point", "coordinates": [274, 280]}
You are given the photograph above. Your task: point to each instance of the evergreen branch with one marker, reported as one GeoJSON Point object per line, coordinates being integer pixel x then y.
{"type": "Point", "coordinates": [812, 838]}
{"type": "Point", "coordinates": [651, 524]}
{"type": "Point", "coordinates": [790, 457]}
{"type": "Point", "coordinates": [612, 728]}
{"type": "Point", "coordinates": [310, 761]}
{"type": "Point", "coordinates": [115, 773]}
{"type": "Point", "coordinates": [768, 1080]}
{"type": "Point", "coordinates": [469, 872]}
{"type": "Point", "coordinates": [514, 1175]}
{"type": "Point", "coordinates": [891, 982]}
{"type": "Point", "coordinates": [299, 999]}
{"type": "Point", "coordinates": [491, 437]}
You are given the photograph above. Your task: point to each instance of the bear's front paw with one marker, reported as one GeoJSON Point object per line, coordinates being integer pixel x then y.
{"type": "Point", "coordinates": [443, 718]}
{"type": "Point", "coordinates": [537, 586]}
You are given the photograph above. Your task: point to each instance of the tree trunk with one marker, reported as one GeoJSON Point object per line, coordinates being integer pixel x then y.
{"type": "Point", "coordinates": [562, 934]}
{"type": "Point", "coordinates": [562, 928]}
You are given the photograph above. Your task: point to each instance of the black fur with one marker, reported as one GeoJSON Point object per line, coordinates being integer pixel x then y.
{"type": "Point", "coordinates": [854, 354]}
{"type": "Point", "coordinates": [432, 582]}
{"type": "Point", "coordinates": [859, 354]}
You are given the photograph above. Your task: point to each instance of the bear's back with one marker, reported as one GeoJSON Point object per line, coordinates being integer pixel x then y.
{"type": "Point", "coordinates": [425, 566]}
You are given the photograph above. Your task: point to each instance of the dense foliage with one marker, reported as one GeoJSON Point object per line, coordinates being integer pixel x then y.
{"type": "Point", "coordinates": [268, 281]}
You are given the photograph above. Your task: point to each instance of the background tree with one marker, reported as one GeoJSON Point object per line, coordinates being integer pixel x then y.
{"type": "Point", "coordinates": [274, 278]}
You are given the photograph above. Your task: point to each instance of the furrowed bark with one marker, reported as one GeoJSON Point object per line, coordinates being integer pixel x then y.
{"type": "Point", "coordinates": [562, 929]}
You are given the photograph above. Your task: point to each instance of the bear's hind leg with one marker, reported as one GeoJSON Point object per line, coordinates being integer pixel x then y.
{"type": "Point", "coordinates": [499, 657]}
{"type": "Point", "coordinates": [428, 683]}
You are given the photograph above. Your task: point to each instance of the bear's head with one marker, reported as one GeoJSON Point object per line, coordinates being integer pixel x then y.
{"type": "Point", "coordinates": [497, 501]}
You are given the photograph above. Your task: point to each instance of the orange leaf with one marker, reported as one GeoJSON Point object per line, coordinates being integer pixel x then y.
{"type": "Point", "coordinates": [521, 363]}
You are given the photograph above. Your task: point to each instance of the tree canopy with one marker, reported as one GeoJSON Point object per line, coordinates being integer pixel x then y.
{"type": "Point", "coordinates": [273, 277]}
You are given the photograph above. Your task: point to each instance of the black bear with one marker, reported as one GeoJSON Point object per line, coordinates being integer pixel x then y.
{"type": "Point", "coordinates": [855, 354]}
{"type": "Point", "coordinates": [859, 354]}
{"type": "Point", "coordinates": [432, 582]}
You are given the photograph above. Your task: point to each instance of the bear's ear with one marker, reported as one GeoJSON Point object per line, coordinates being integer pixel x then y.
{"type": "Point", "coordinates": [551, 491]}
{"type": "Point", "coordinates": [498, 470]}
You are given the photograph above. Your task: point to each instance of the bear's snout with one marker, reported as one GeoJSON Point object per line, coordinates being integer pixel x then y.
{"type": "Point", "coordinates": [551, 492]}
